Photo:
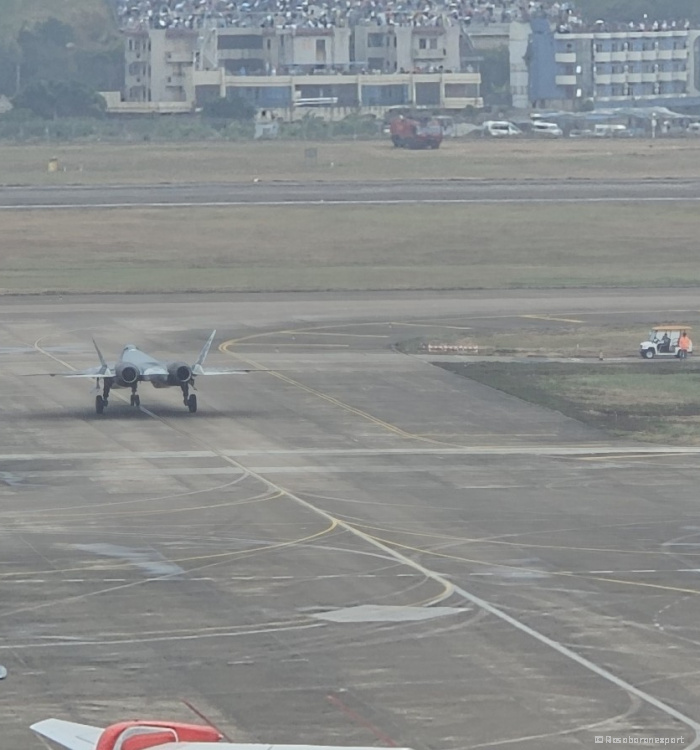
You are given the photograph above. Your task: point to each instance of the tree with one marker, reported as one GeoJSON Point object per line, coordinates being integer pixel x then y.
{"type": "Point", "coordinates": [232, 107]}
{"type": "Point", "coordinates": [54, 99]}
{"type": "Point", "coordinates": [48, 52]}
{"type": "Point", "coordinates": [495, 75]}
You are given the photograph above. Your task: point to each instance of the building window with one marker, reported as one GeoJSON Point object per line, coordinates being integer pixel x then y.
{"type": "Point", "coordinates": [433, 43]}
{"type": "Point", "coordinates": [599, 47]}
{"type": "Point", "coordinates": [375, 40]}
{"type": "Point", "coordinates": [422, 43]}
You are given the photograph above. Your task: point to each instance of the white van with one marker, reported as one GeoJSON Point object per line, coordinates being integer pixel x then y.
{"type": "Point", "coordinates": [500, 129]}
{"type": "Point", "coordinates": [546, 129]}
{"type": "Point", "coordinates": [609, 131]}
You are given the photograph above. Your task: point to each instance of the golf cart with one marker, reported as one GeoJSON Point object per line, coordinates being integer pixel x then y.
{"type": "Point", "coordinates": [663, 341]}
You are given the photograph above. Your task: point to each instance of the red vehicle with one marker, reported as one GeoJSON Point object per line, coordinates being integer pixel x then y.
{"type": "Point", "coordinates": [423, 132]}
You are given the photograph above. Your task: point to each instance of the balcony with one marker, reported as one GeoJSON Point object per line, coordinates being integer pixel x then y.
{"type": "Point", "coordinates": [567, 58]}
{"type": "Point", "coordinates": [429, 54]}
{"type": "Point", "coordinates": [603, 79]}
{"type": "Point", "coordinates": [565, 80]}
{"type": "Point", "coordinates": [603, 57]}
{"type": "Point", "coordinates": [618, 56]}
{"type": "Point", "coordinates": [650, 55]}
{"type": "Point", "coordinates": [179, 57]}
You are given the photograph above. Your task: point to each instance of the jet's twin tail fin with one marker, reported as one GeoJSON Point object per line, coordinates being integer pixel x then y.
{"type": "Point", "coordinates": [103, 361]}
{"type": "Point", "coordinates": [197, 367]}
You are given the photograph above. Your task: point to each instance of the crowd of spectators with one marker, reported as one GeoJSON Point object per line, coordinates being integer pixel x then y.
{"type": "Point", "coordinates": [195, 14]}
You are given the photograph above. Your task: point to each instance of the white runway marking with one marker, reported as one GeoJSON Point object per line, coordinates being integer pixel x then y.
{"type": "Point", "coordinates": [593, 450]}
{"type": "Point", "coordinates": [368, 202]}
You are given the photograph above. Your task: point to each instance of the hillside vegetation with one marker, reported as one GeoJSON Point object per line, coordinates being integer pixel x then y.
{"type": "Point", "coordinates": [92, 20]}
{"type": "Point", "coordinates": [64, 40]}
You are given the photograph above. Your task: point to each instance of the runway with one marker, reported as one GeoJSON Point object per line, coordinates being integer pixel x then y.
{"type": "Point", "coordinates": [355, 548]}
{"type": "Point", "coordinates": [352, 193]}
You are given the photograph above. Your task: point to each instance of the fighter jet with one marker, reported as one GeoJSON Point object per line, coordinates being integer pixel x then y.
{"type": "Point", "coordinates": [135, 366]}
{"type": "Point", "coordinates": [150, 735]}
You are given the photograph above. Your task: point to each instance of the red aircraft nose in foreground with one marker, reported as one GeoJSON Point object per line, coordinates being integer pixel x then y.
{"type": "Point", "coordinates": [151, 735]}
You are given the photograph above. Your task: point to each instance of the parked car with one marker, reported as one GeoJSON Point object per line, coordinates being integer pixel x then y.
{"type": "Point", "coordinates": [546, 129]}
{"type": "Point", "coordinates": [500, 129]}
{"type": "Point", "coordinates": [610, 131]}
{"type": "Point", "coordinates": [663, 341]}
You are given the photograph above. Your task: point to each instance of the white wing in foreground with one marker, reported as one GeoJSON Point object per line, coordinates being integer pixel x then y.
{"type": "Point", "coordinates": [68, 734]}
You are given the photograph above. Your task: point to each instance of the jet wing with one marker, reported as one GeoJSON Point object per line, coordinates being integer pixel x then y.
{"type": "Point", "coordinates": [199, 370]}
{"type": "Point", "coordinates": [68, 734]}
{"type": "Point", "coordinates": [91, 372]}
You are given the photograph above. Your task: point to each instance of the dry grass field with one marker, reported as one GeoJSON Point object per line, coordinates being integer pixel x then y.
{"type": "Point", "coordinates": [93, 163]}
{"type": "Point", "coordinates": [348, 247]}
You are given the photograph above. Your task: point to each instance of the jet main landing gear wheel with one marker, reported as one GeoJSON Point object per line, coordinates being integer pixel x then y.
{"type": "Point", "coordinates": [192, 404]}
{"type": "Point", "coordinates": [99, 404]}
{"type": "Point", "coordinates": [135, 399]}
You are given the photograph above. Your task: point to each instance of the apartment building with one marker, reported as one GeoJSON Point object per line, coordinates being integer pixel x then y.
{"type": "Point", "coordinates": [290, 70]}
{"type": "Point", "coordinates": [621, 68]}
{"type": "Point", "coordinates": [394, 49]}
{"type": "Point", "coordinates": [334, 95]}
{"type": "Point", "coordinates": [158, 65]}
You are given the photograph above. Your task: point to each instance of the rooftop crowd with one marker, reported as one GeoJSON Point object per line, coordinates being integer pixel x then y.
{"type": "Point", "coordinates": [196, 14]}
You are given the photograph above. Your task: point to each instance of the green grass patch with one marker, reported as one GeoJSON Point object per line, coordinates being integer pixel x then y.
{"type": "Point", "coordinates": [351, 248]}
{"type": "Point", "coordinates": [648, 401]}
{"type": "Point", "coordinates": [138, 162]}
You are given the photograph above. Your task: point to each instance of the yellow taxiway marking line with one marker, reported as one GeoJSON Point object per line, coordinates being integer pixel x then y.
{"type": "Point", "coordinates": [408, 324]}
{"type": "Point", "coordinates": [277, 344]}
{"type": "Point", "coordinates": [307, 332]}
{"type": "Point", "coordinates": [226, 348]}
{"type": "Point", "coordinates": [547, 317]}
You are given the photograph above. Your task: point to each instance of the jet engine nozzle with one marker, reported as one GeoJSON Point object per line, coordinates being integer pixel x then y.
{"type": "Point", "coordinates": [126, 375]}
{"type": "Point", "coordinates": [179, 373]}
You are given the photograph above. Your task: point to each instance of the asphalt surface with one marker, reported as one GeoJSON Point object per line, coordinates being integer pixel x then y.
{"type": "Point", "coordinates": [356, 548]}
{"type": "Point", "coordinates": [378, 192]}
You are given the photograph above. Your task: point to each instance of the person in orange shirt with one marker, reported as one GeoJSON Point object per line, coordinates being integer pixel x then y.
{"type": "Point", "coordinates": [683, 345]}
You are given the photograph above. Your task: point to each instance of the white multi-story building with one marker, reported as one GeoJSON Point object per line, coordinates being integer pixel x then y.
{"type": "Point", "coordinates": [395, 49]}
{"type": "Point", "coordinates": [287, 70]}
{"type": "Point", "coordinates": [610, 68]}
{"type": "Point", "coordinates": [159, 64]}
